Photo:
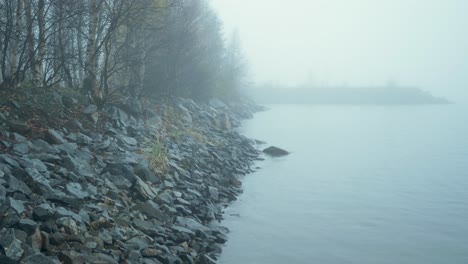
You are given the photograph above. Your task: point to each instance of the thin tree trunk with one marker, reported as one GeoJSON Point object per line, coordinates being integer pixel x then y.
{"type": "Point", "coordinates": [15, 44]}
{"type": "Point", "coordinates": [37, 71]}
{"type": "Point", "coordinates": [90, 81]}
{"type": "Point", "coordinates": [30, 38]}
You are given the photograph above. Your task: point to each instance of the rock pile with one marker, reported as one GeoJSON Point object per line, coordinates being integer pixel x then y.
{"type": "Point", "coordinates": [78, 195]}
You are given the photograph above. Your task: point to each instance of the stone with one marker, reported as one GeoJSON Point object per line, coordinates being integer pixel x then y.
{"type": "Point", "coordinates": [128, 140]}
{"type": "Point", "coordinates": [15, 185]}
{"type": "Point", "coordinates": [190, 223]}
{"type": "Point", "coordinates": [90, 109]}
{"type": "Point", "coordinates": [28, 226]}
{"type": "Point", "coordinates": [144, 190]}
{"type": "Point", "coordinates": [213, 192]}
{"type": "Point", "coordinates": [53, 137]}
{"type": "Point", "coordinates": [16, 205]}
{"type": "Point", "coordinates": [8, 160]}
{"type": "Point", "coordinates": [38, 259]}
{"type": "Point", "coordinates": [275, 151]}
{"type": "Point", "coordinates": [205, 259]}
{"type": "Point", "coordinates": [21, 148]}
{"type": "Point", "coordinates": [69, 225]}
{"type": "Point", "coordinates": [18, 138]}
{"type": "Point", "coordinates": [76, 190]}
{"type": "Point", "coordinates": [151, 252]}
{"type": "Point", "coordinates": [43, 212]}
{"type": "Point", "coordinates": [10, 244]}
{"type": "Point", "coordinates": [37, 182]}
{"type": "Point", "coordinates": [19, 126]}
{"type": "Point", "coordinates": [62, 212]}
{"type": "Point", "coordinates": [217, 104]}
{"type": "Point", "coordinates": [150, 209]}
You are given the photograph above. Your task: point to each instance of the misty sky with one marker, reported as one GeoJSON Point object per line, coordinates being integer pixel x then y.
{"type": "Point", "coordinates": [355, 42]}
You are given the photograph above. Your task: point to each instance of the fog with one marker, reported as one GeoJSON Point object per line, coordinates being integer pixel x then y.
{"type": "Point", "coordinates": [419, 43]}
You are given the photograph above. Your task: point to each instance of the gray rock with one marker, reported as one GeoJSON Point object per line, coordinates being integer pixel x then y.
{"type": "Point", "coordinates": [90, 109]}
{"type": "Point", "coordinates": [15, 185]}
{"type": "Point", "coordinates": [76, 190]}
{"type": "Point", "coordinates": [151, 252]}
{"type": "Point", "coordinates": [43, 212]}
{"type": "Point", "coordinates": [150, 209]}
{"type": "Point", "coordinates": [213, 192]}
{"type": "Point", "coordinates": [16, 205]}
{"type": "Point", "coordinates": [8, 160]}
{"type": "Point", "coordinates": [54, 137]}
{"type": "Point", "coordinates": [18, 138]}
{"type": "Point", "coordinates": [69, 225]}
{"type": "Point", "coordinates": [21, 148]}
{"type": "Point", "coordinates": [62, 212]}
{"type": "Point", "coordinates": [145, 191]}
{"type": "Point", "coordinates": [28, 226]}
{"type": "Point", "coordinates": [10, 244]}
{"type": "Point", "coordinates": [127, 140]}
{"type": "Point", "coordinates": [190, 223]}
{"type": "Point", "coordinates": [205, 259]}
{"type": "Point", "coordinates": [19, 126]}
{"type": "Point", "coordinates": [39, 259]}
{"type": "Point", "coordinates": [37, 182]}
{"type": "Point", "coordinates": [275, 151]}
{"type": "Point", "coordinates": [217, 104]}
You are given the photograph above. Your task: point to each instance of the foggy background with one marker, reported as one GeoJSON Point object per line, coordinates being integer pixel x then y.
{"type": "Point", "coordinates": [354, 42]}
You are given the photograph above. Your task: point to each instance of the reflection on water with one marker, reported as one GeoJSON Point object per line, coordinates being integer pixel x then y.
{"type": "Point", "coordinates": [364, 184]}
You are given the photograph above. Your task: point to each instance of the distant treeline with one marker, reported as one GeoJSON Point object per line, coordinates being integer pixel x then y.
{"type": "Point", "coordinates": [345, 95]}
{"type": "Point", "coordinates": [127, 47]}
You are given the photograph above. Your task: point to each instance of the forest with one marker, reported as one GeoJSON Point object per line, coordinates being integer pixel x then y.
{"type": "Point", "coordinates": [109, 49]}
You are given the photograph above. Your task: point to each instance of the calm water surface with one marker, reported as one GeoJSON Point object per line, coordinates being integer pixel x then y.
{"type": "Point", "coordinates": [364, 184]}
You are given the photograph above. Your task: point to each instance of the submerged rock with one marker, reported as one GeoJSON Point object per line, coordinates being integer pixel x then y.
{"type": "Point", "coordinates": [275, 151]}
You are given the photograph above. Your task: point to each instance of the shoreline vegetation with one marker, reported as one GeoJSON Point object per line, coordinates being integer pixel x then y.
{"type": "Point", "coordinates": [128, 183]}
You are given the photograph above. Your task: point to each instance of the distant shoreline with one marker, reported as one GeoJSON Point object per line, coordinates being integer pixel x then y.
{"type": "Point", "coordinates": [388, 95]}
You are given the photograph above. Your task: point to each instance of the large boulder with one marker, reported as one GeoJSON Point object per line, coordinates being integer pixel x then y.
{"type": "Point", "coordinates": [275, 151]}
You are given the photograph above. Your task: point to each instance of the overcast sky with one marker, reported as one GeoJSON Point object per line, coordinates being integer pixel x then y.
{"type": "Point", "coordinates": [355, 42]}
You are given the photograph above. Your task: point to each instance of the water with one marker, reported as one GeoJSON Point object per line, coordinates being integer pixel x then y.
{"type": "Point", "coordinates": [364, 184]}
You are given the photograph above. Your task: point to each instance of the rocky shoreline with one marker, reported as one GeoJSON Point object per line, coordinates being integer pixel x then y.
{"type": "Point", "coordinates": [125, 184]}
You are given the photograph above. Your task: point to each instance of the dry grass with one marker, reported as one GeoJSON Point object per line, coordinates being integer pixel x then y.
{"type": "Point", "coordinates": [156, 155]}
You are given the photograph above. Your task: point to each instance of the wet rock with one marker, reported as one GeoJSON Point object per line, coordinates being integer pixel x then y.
{"type": "Point", "coordinates": [15, 185]}
{"type": "Point", "coordinates": [10, 245]}
{"type": "Point", "coordinates": [19, 126]}
{"type": "Point", "coordinates": [151, 252]}
{"type": "Point", "coordinates": [90, 109]}
{"type": "Point", "coordinates": [128, 140]}
{"type": "Point", "coordinates": [213, 192]}
{"type": "Point", "coordinates": [8, 160]}
{"type": "Point", "coordinates": [152, 210]}
{"type": "Point", "coordinates": [275, 151]}
{"type": "Point", "coordinates": [28, 226]}
{"type": "Point", "coordinates": [21, 148]}
{"type": "Point", "coordinates": [205, 259]}
{"type": "Point", "coordinates": [143, 190]}
{"type": "Point", "coordinates": [43, 212]}
{"type": "Point", "coordinates": [39, 259]}
{"type": "Point", "coordinates": [37, 182]}
{"type": "Point", "coordinates": [61, 212]}
{"type": "Point", "coordinates": [54, 137]}
{"type": "Point", "coordinates": [80, 138]}
{"type": "Point", "coordinates": [76, 190]}
{"type": "Point", "coordinates": [18, 138]}
{"type": "Point", "coordinates": [9, 217]}
{"type": "Point", "coordinates": [16, 205]}
{"type": "Point", "coordinates": [69, 225]}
